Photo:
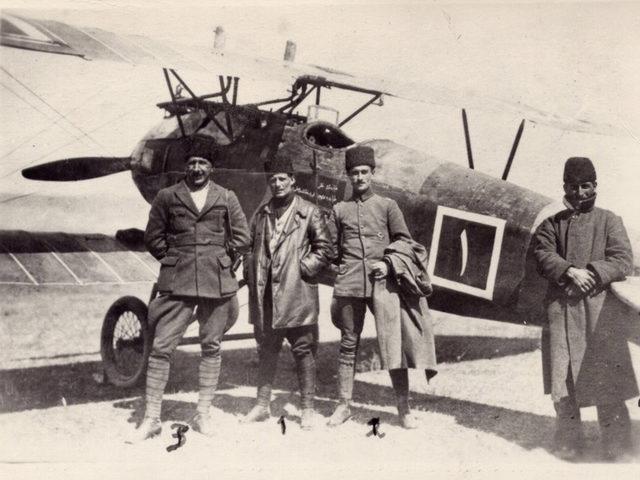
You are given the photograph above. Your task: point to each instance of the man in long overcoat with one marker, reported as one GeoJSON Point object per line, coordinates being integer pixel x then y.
{"type": "Point", "coordinates": [361, 228]}
{"type": "Point", "coordinates": [290, 246]}
{"type": "Point", "coordinates": [586, 360]}
{"type": "Point", "coordinates": [195, 228]}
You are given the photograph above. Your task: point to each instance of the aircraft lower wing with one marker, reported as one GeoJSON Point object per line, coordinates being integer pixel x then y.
{"type": "Point", "coordinates": [43, 258]}
{"type": "Point", "coordinates": [629, 292]}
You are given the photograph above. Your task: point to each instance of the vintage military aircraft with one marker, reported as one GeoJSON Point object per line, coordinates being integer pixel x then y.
{"type": "Point", "coordinates": [477, 228]}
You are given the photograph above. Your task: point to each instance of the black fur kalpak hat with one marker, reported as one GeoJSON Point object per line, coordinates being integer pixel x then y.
{"type": "Point", "coordinates": [360, 155]}
{"type": "Point", "coordinates": [199, 146]}
{"type": "Point", "coordinates": [579, 170]}
{"type": "Point", "coordinates": [279, 165]}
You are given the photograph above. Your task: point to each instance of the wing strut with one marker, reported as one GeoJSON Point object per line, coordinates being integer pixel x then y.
{"type": "Point", "coordinates": [199, 100]}
{"type": "Point", "coordinates": [173, 100]}
{"type": "Point", "coordinates": [467, 138]}
{"type": "Point", "coordinates": [224, 88]}
{"type": "Point", "coordinates": [234, 99]}
{"type": "Point", "coordinates": [373, 99]}
{"type": "Point", "coordinates": [296, 101]}
{"type": "Point", "coordinates": [516, 141]}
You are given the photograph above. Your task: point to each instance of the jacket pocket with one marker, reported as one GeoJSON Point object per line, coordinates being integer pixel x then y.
{"type": "Point", "coordinates": [306, 274]}
{"type": "Point", "coordinates": [169, 261]}
{"type": "Point", "coordinates": [228, 282]}
{"type": "Point", "coordinates": [167, 273]}
{"type": "Point", "coordinates": [215, 218]}
{"type": "Point", "coordinates": [179, 218]}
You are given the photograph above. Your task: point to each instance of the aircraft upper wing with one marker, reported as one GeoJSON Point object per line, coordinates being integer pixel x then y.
{"type": "Point", "coordinates": [629, 292]}
{"type": "Point", "coordinates": [43, 258]}
{"type": "Point", "coordinates": [55, 37]}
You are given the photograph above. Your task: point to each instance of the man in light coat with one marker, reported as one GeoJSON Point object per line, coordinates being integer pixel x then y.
{"type": "Point", "coordinates": [586, 360]}
{"type": "Point", "coordinates": [194, 229]}
{"type": "Point", "coordinates": [290, 246]}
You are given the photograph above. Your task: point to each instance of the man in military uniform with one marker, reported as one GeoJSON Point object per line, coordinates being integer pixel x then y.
{"type": "Point", "coordinates": [586, 359]}
{"type": "Point", "coordinates": [195, 229]}
{"type": "Point", "coordinates": [361, 229]}
{"type": "Point", "coordinates": [290, 247]}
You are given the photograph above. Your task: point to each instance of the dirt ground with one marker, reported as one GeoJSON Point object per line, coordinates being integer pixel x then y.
{"type": "Point", "coordinates": [484, 412]}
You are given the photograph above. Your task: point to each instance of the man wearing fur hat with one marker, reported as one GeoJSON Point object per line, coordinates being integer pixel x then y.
{"type": "Point", "coordinates": [362, 228]}
{"type": "Point", "coordinates": [290, 246]}
{"type": "Point", "coordinates": [586, 360]}
{"type": "Point", "coordinates": [194, 229]}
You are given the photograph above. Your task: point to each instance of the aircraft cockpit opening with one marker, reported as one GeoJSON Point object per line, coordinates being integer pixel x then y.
{"type": "Point", "coordinates": [326, 135]}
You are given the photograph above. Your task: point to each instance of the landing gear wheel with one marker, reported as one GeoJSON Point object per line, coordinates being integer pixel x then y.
{"type": "Point", "coordinates": [125, 342]}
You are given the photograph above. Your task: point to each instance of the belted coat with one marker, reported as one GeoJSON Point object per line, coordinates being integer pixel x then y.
{"type": "Point", "coordinates": [586, 334]}
{"type": "Point", "coordinates": [300, 253]}
{"type": "Point", "coordinates": [194, 246]}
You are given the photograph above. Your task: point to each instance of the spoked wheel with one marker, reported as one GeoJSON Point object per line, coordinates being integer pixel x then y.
{"type": "Point", "coordinates": [126, 342]}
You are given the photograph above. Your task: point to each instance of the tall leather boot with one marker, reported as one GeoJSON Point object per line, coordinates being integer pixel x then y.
{"type": "Point", "coordinates": [346, 373]}
{"type": "Point", "coordinates": [400, 382]}
{"type": "Point", "coordinates": [306, 369]}
{"type": "Point", "coordinates": [266, 375]}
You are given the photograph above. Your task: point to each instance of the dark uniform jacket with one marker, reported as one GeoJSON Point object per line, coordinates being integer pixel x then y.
{"type": "Point", "coordinates": [360, 231]}
{"type": "Point", "coordinates": [587, 333]}
{"type": "Point", "coordinates": [302, 251]}
{"type": "Point", "coordinates": [194, 246]}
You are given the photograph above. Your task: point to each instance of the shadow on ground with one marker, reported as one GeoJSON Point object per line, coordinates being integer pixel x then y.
{"type": "Point", "coordinates": [46, 386]}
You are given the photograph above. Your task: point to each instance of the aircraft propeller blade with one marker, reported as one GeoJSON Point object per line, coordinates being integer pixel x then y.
{"type": "Point", "coordinates": [80, 168]}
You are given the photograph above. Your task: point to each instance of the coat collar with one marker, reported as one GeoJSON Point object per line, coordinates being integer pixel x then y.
{"type": "Point", "coordinates": [364, 197]}
{"type": "Point", "coordinates": [586, 206]}
{"type": "Point", "coordinates": [184, 195]}
{"type": "Point", "coordinates": [293, 222]}
{"type": "Point", "coordinates": [212, 197]}
{"type": "Point", "coordinates": [297, 208]}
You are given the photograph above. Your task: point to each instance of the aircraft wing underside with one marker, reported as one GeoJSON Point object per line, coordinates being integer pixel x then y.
{"type": "Point", "coordinates": [52, 37]}
{"type": "Point", "coordinates": [29, 258]}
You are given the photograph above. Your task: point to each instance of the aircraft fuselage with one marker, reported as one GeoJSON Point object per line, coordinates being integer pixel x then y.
{"type": "Point", "coordinates": [477, 228]}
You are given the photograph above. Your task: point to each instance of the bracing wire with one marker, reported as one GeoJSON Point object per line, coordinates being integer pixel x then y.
{"type": "Point", "coordinates": [61, 115]}
{"type": "Point", "coordinates": [85, 104]}
{"type": "Point", "coordinates": [27, 102]}
{"type": "Point", "coordinates": [102, 125]}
